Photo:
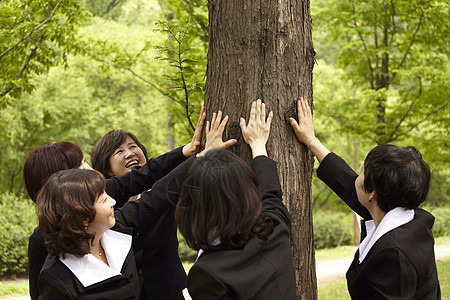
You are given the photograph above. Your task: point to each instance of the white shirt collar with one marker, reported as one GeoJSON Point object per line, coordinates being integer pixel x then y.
{"type": "Point", "coordinates": [201, 251]}
{"type": "Point", "coordinates": [89, 270]}
{"type": "Point", "coordinates": [393, 219]}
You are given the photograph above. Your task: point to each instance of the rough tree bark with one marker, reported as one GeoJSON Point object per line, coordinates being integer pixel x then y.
{"type": "Point", "coordinates": [263, 49]}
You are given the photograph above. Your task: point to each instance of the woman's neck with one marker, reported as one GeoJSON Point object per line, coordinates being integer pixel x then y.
{"type": "Point", "coordinates": [377, 215]}
{"type": "Point", "coordinates": [97, 250]}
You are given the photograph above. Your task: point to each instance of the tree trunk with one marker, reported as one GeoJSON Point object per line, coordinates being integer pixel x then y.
{"type": "Point", "coordinates": [263, 49]}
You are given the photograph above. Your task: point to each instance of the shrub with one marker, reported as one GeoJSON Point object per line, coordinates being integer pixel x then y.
{"type": "Point", "coordinates": [328, 229]}
{"type": "Point", "coordinates": [441, 225]}
{"type": "Point", "coordinates": [18, 219]}
{"type": "Point", "coordinates": [186, 253]}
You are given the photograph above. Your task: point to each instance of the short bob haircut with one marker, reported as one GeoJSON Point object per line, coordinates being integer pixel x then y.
{"type": "Point", "coordinates": [220, 201]}
{"type": "Point", "coordinates": [47, 160]}
{"type": "Point", "coordinates": [399, 176]}
{"type": "Point", "coordinates": [64, 205]}
{"type": "Point", "coordinates": [106, 147]}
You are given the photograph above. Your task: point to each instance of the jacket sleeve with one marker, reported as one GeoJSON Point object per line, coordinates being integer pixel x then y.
{"type": "Point", "coordinates": [140, 179]}
{"type": "Point", "coordinates": [145, 211]}
{"type": "Point", "coordinates": [338, 175]}
{"type": "Point", "coordinates": [392, 276]}
{"type": "Point", "coordinates": [36, 258]}
{"type": "Point", "coordinates": [203, 285]}
{"type": "Point", "coordinates": [51, 288]}
{"type": "Point", "coordinates": [265, 170]}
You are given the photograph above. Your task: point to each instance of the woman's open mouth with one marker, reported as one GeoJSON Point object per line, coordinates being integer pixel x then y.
{"type": "Point", "coordinates": [132, 163]}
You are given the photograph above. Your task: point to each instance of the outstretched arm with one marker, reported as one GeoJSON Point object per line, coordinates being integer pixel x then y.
{"type": "Point", "coordinates": [256, 133]}
{"type": "Point", "coordinates": [304, 130]}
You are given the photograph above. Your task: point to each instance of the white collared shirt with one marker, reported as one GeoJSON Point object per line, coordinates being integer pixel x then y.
{"type": "Point", "coordinates": [393, 219]}
{"type": "Point", "coordinates": [90, 270]}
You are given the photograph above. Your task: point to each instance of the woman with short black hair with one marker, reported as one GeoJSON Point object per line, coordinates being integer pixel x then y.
{"type": "Point", "coordinates": [395, 259]}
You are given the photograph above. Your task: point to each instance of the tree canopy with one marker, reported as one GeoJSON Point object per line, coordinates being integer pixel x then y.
{"type": "Point", "coordinates": [73, 70]}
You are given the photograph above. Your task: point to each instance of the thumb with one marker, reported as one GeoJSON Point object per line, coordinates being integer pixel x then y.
{"type": "Point", "coordinates": [229, 143]}
{"type": "Point", "coordinates": [242, 123]}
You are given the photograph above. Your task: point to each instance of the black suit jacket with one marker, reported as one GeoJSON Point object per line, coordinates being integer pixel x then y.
{"type": "Point", "coordinates": [121, 188]}
{"type": "Point", "coordinates": [261, 269]}
{"type": "Point", "coordinates": [56, 281]}
{"type": "Point", "coordinates": [401, 264]}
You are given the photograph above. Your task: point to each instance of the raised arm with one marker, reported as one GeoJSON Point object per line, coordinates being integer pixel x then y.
{"type": "Point", "coordinates": [140, 179]}
{"type": "Point", "coordinates": [256, 133]}
{"type": "Point", "coordinates": [304, 130]}
{"type": "Point", "coordinates": [333, 171]}
{"type": "Point", "coordinates": [194, 146]}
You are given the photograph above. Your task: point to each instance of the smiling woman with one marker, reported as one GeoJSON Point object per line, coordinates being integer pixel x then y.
{"type": "Point", "coordinates": [118, 152]}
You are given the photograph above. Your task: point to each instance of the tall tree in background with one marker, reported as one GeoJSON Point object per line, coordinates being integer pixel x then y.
{"type": "Point", "coordinates": [263, 49]}
{"type": "Point", "coordinates": [392, 84]}
{"type": "Point", "coordinates": [396, 54]}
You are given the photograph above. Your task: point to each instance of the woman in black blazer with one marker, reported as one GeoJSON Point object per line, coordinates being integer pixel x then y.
{"type": "Point", "coordinates": [162, 282]}
{"type": "Point", "coordinates": [236, 219]}
{"type": "Point", "coordinates": [395, 259]}
{"type": "Point", "coordinates": [76, 216]}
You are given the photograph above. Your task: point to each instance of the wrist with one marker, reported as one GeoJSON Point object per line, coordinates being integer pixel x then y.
{"type": "Point", "coordinates": [258, 149]}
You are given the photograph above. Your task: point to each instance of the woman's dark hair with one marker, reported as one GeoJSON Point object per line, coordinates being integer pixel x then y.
{"type": "Point", "coordinates": [47, 160]}
{"type": "Point", "coordinates": [106, 147]}
{"type": "Point", "coordinates": [64, 204]}
{"type": "Point", "coordinates": [399, 176]}
{"type": "Point", "coordinates": [220, 200]}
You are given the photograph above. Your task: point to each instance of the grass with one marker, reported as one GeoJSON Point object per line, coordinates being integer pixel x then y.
{"type": "Point", "coordinates": [13, 289]}
{"type": "Point", "coordinates": [442, 240]}
{"type": "Point", "coordinates": [335, 253]}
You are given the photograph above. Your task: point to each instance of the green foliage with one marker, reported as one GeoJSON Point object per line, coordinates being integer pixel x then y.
{"type": "Point", "coordinates": [184, 85]}
{"type": "Point", "coordinates": [329, 226]}
{"type": "Point", "coordinates": [186, 253]}
{"type": "Point", "coordinates": [17, 220]}
{"type": "Point", "coordinates": [34, 36]}
{"type": "Point", "coordinates": [382, 77]}
{"type": "Point", "coordinates": [394, 54]}
{"type": "Point", "coordinates": [441, 225]}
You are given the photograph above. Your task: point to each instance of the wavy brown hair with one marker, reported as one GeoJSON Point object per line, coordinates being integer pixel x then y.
{"type": "Point", "coordinates": [220, 200]}
{"type": "Point", "coordinates": [65, 203]}
{"type": "Point", "coordinates": [106, 147]}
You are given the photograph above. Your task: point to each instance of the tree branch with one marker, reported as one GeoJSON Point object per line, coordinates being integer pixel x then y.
{"type": "Point", "coordinates": [365, 47]}
{"type": "Point", "coordinates": [186, 92]}
{"type": "Point", "coordinates": [22, 70]}
{"type": "Point", "coordinates": [423, 119]}
{"type": "Point", "coordinates": [203, 26]}
{"type": "Point", "coordinates": [33, 30]}
{"type": "Point", "coordinates": [134, 74]}
{"type": "Point", "coordinates": [111, 5]}
{"type": "Point", "coordinates": [410, 45]}
{"type": "Point", "coordinates": [394, 27]}
{"type": "Point", "coordinates": [409, 108]}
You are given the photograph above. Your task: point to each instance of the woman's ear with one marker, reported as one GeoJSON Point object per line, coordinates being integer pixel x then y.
{"type": "Point", "coordinates": [372, 196]}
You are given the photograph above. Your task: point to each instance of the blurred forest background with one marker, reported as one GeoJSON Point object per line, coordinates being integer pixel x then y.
{"type": "Point", "coordinates": [72, 70]}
